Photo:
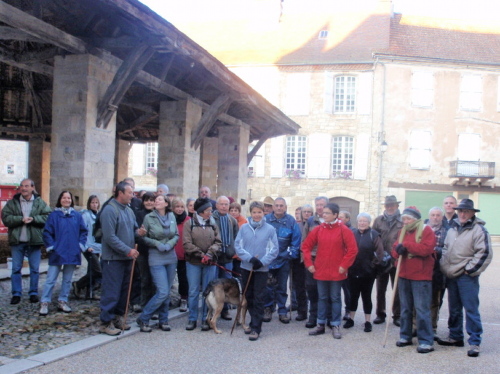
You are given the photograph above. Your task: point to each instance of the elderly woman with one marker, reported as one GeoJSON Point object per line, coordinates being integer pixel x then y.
{"type": "Point", "coordinates": [336, 252]}
{"type": "Point", "coordinates": [190, 207]}
{"type": "Point", "coordinates": [362, 273]}
{"type": "Point", "coordinates": [235, 211]}
{"type": "Point", "coordinates": [415, 250]}
{"type": "Point", "coordinates": [202, 242]}
{"type": "Point", "coordinates": [161, 237]}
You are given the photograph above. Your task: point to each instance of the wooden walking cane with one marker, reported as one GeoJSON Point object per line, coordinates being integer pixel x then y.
{"type": "Point", "coordinates": [291, 290]}
{"type": "Point", "coordinates": [238, 312]}
{"type": "Point", "coordinates": [396, 278]}
{"type": "Point", "coordinates": [129, 292]}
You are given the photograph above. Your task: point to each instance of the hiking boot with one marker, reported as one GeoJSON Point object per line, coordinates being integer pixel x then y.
{"type": "Point", "coordinates": [379, 320]}
{"type": "Point", "coordinates": [336, 332]}
{"type": "Point", "coordinates": [368, 327]}
{"type": "Point", "coordinates": [301, 317]}
{"type": "Point", "coordinates": [34, 299]}
{"type": "Point", "coordinates": [403, 343]}
{"type": "Point", "coordinates": [15, 300]}
{"type": "Point", "coordinates": [225, 315]}
{"type": "Point", "coordinates": [347, 316]}
{"type": "Point", "coordinates": [164, 326]}
{"type": "Point", "coordinates": [396, 321]}
{"type": "Point", "coordinates": [155, 316]}
{"type": "Point", "coordinates": [247, 330]}
{"type": "Point", "coordinates": [254, 335]}
{"type": "Point", "coordinates": [449, 342]}
{"type": "Point", "coordinates": [76, 291]}
{"type": "Point", "coordinates": [109, 328]}
{"type": "Point", "coordinates": [183, 307]}
{"type": "Point", "coordinates": [205, 326]}
{"type": "Point", "coordinates": [144, 326]}
{"type": "Point", "coordinates": [44, 309]}
{"type": "Point", "coordinates": [63, 306]}
{"type": "Point", "coordinates": [120, 323]}
{"type": "Point", "coordinates": [136, 308]}
{"type": "Point", "coordinates": [191, 325]}
{"type": "Point", "coordinates": [268, 315]}
{"type": "Point", "coordinates": [349, 323]}
{"type": "Point", "coordinates": [425, 348]}
{"type": "Point", "coordinates": [473, 351]}
{"type": "Point", "coordinates": [320, 330]}
{"type": "Point", "coordinates": [310, 324]}
{"type": "Point", "coordinates": [284, 318]}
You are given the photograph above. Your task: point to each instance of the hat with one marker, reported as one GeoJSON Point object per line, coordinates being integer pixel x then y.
{"type": "Point", "coordinates": [268, 200]}
{"type": "Point", "coordinates": [466, 204]}
{"type": "Point", "coordinates": [391, 200]}
{"type": "Point", "coordinates": [201, 204]}
{"type": "Point", "coordinates": [412, 211]}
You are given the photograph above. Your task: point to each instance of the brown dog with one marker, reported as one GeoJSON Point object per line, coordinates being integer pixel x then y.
{"type": "Point", "coordinates": [220, 291]}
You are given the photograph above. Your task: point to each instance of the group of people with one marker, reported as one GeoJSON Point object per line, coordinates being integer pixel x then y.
{"type": "Point", "coordinates": [318, 250]}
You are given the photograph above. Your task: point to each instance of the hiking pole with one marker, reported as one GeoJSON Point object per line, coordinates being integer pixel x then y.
{"type": "Point", "coordinates": [91, 286]}
{"type": "Point", "coordinates": [129, 292]}
{"type": "Point", "coordinates": [395, 289]}
{"type": "Point", "coordinates": [241, 301]}
{"type": "Point", "coordinates": [291, 288]}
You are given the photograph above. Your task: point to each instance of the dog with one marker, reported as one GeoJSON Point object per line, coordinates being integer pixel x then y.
{"type": "Point", "coordinates": [220, 291]}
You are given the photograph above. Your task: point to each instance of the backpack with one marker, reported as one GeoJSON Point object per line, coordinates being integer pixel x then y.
{"type": "Point", "coordinates": [97, 229]}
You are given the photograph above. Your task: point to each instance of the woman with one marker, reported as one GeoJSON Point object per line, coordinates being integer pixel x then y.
{"type": "Point", "coordinates": [235, 211]}
{"type": "Point", "coordinates": [257, 246]}
{"type": "Point", "coordinates": [336, 252]}
{"type": "Point", "coordinates": [201, 241]}
{"type": "Point", "coordinates": [415, 249]}
{"type": "Point", "coordinates": [362, 273]}
{"type": "Point", "coordinates": [93, 250]}
{"type": "Point", "coordinates": [181, 217]}
{"type": "Point", "coordinates": [64, 236]}
{"type": "Point", "coordinates": [161, 238]}
{"type": "Point", "coordinates": [190, 207]}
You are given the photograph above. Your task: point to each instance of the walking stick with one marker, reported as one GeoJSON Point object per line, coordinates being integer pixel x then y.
{"type": "Point", "coordinates": [291, 289]}
{"type": "Point", "coordinates": [129, 292]}
{"type": "Point", "coordinates": [396, 278]}
{"type": "Point", "coordinates": [241, 301]}
{"type": "Point", "coordinates": [91, 286]}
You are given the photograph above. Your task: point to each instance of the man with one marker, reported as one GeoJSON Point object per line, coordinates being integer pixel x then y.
{"type": "Point", "coordinates": [25, 216]}
{"type": "Point", "coordinates": [268, 204]}
{"type": "Point", "coordinates": [467, 253]}
{"type": "Point", "coordinates": [289, 236]}
{"type": "Point", "coordinates": [388, 225]}
{"type": "Point", "coordinates": [118, 240]}
{"type": "Point", "coordinates": [449, 205]}
{"type": "Point", "coordinates": [162, 189]}
{"type": "Point", "coordinates": [228, 228]}
{"type": "Point", "coordinates": [205, 193]}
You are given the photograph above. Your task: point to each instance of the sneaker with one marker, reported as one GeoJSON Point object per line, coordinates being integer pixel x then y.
{"type": "Point", "coordinates": [379, 320]}
{"type": "Point", "coordinates": [155, 317]}
{"type": "Point", "coordinates": [15, 300]}
{"type": "Point", "coordinates": [120, 323]}
{"type": "Point", "coordinates": [473, 351]}
{"type": "Point", "coordinates": [247, 330]}
{"type": "Point", "coordinates": [451, 342]}
{"type": "Point", "coordinates": [268, 315]}
{"type": "Point", "coordinates": [44, 309]}
{"type": "Point", "coordinates": [144, 326]}
{"type": "Point", "coordinates": [254, 335]}
{"type": "Point", "coordinates": [191, 325]}
{"type": "Point", "coordinates": [183, 307]}
{"type": "Point", "coordinates": [109, 329]}
{"type": "Point", "coordinates": [320, 330]}
{"type": "Point", "coordinates": [76, 291]}
{"type": "Point", "coordinates": [225, 315]}
{"type": "Point", "coordinates": [368, 327]}
{"type": "Point", "coordinates": [403, 343]}
{"type": "Point", "coordinates": [63, 306]}
{"type": "Point", "coordinates": [301, 317]}
{"type": "Point", "coordinates": [284, 318]}
{"type": "Point", "coordinates": [34, 299]}
{"type": "Point", "coordinates": [336, 332]}
{"type": "Point", "coordinates": [349, 323]}
{"type": "Point", "coordinates": [164, 326]}
{"type": "Point", "coordinates": [424, 348]}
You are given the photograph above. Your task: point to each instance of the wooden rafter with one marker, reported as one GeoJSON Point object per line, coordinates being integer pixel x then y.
{"type": "Point", "coordinates": [37, 119]}
{"type": "Point", "coordinates": [10, 33]}
{"type": "Point", "coordinates": [139, 122]}
{"type": "Point", "coordinates": [36, 67]}
{"type": "Point", "coordinates": [22, 130]}
{"type": "Point", "coordinates": [260, 143]}
{"type": "Point", "coordinates": [220, 105]}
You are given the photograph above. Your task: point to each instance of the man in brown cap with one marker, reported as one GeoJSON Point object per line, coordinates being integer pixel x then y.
{"type": "Point", "coordinates": [268, 204]}
{"type": "Point", "coordinates": [388, 225]}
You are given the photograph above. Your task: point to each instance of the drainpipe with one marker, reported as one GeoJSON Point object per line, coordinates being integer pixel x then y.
{"type": "Point", "coordinates": [381, 138]}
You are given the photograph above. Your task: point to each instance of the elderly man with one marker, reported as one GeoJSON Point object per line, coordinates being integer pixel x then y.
{"type": "Point", "coordinates": [162, 189]}
{"type": "Point", "coordinates": [289, 236]}
{"type": "Point", "coordinates": [449, 205]}
{"type": "Point", "coordinates": [467, 253]}
{"type": "Point", "coordinates": [268, 204]}
{"type": "Point", "coordinates": [388, 225]}
{"type": "Point", "coordinates": [228, 228]}
{"type": "Point", "coordinates": [25, 216]}
{"type": "Point", "coordinates": [205, 192]}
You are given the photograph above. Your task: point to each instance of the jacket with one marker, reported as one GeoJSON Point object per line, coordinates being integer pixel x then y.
{"type": "Point", "coordinates": [89, 219]}
{"type": "Point", "coordinates": [179, 248]}
{"type": "Point", "coordinates": [261, 242]}
{"type": "Point", "coordinates": [12, 217]}
{"type": "Point", "coordinates": [418, 262]}
{"type": "Point", "coordinates": [309, 225]}
{"type": "Point", "coordinates": [199, 240]}
{"type": "Point", "coordinates": [467, 248]}
{"type": "Point", "coordinates": [156, 237]}
{"type": "Point", "coordinates": [388, 231]}
{"type": "Point", "coordinates": [118, 231]}
{"type": "Point", "coordinates": [226, 257]}
{"type": "Point", "coordinates": [65, 237]}
{"type": "Point", "coordinates": [336, 247]}
{"type": "Point", "coordinates": [370, 252]}
{"type": "Point", "coordinates": [289, 238]}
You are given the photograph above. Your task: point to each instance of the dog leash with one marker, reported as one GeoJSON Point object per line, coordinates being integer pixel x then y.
{"type": "Point", "coordinates": [225, 269]}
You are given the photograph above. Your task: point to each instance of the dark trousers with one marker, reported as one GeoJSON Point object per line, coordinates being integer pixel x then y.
{"type": "Point", "coordinates": [255, 295]}
{"type": "Point", "coordinates": [182, 278]}
{"type": "Point", "coordinates": [115, 283]}
{"type": "Point", "coordinates": [299, 286]}
{"type": "Point", "coordinates": [146, 286]}
{"type": "Point", "coordinates": [382, 283]}
{"type": "Point", "coordinates": [313, 297]}
{"type": "Point", "coordinates": [361, 286]}
{"type": "Point", "coordinates": [347, 295]}
{"type": "Point", "coordinates": [94, 272]}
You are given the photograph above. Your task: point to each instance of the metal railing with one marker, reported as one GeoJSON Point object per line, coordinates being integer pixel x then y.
{"type": "Point", "coordinates": [472, 169]}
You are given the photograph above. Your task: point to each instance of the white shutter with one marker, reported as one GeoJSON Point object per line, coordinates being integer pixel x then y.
{"type": "Point", "coordinates": [260, 162]}
{"type": "Point", "coordinates": [420, 149]}
{"type": "Point", "coordinates": [471, 92]}
{"type": "Point", "coordinates": [328, 98]}
{"type": "Point", "coordinates": [422, 93]}
{"type": "Point", "coordinates": [469, 146]}
{"type": "Point", "coordinates": [297, 94]}
{"type": "Point", "coordinates": [361, 156]}
{"type": "Point", "coordinates": [138, 159]}
{"type": "Point", "coordinates": [319, 155]}
{"type": "Point", "coordinates": [277, 157]}
{"type": "Point", "coordinates": [364, 95]}
{"type": "Point", "coordinates": [498, 93]}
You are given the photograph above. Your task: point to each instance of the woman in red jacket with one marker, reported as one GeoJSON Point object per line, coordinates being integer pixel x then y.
{"type": "Point", "coordinates": [415, 249]}
{"type": "Point", "coordinates": [336, 252]}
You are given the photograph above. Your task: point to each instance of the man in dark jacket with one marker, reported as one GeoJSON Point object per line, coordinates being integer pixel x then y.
{"type": "Point", "coordinates": [25, 216]}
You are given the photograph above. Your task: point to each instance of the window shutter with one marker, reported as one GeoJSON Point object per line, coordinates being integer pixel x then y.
{"type": "Point", "coordinates": [138, 159]}
{"type": "Point", "coordinates": [364, 86]}
{"type": "Point", "coordinates": [297, 94]}
{"type": "Point", "coordinates": [318, 163]}
{"type": "Point", "coordinates": [361, 156]}
{"type": "Point", "coordinates": [420, 149]}
{"type": "Point", "coordinates": [328, 99]}
{"type": "Point", "coordinates": [260, 162]}
{"type": "Point", "coordinates": [277, 157]}
{"type": "Point", "coordinates": [469, 146]}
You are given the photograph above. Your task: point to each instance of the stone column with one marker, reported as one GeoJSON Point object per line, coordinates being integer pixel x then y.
{"type": "Point", "coordinates": [178, 163]}
{"type": "Point", "coordinates": [232, 170]}
{"type": "Point", "coordinates": [209, 164]}
{"type": "Point", "coordinates": [39, 165]}
{"type": "Point", "coordinates": [122, 151]}
{"type": "Point", "coordinates": [83, 156]}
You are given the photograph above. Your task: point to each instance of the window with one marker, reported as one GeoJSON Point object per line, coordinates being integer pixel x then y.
{"type": "Point", "coordinates": [345, 94]}
{"type": "Point", "coordinates": [295, 154]}
{"type": "Point", "coordinates": [323, 34]}
{"type": "Point", "coordinates": [343, 151]}
{"type": "Point", "coordinates": [422, 89]}
{"type": "Point", "coordinates": [151, 155]}
{"type": "Point", "coordinates": [471, 92]}
{"type": "Point", "coordinates": [420, 149]}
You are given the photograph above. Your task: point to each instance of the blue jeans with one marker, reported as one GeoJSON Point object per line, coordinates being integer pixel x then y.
{"type": "Point", "coordinates": [33, 253]}
{"type": "Point", "coordinates": [197, 274]}
{"type": "Point", "coordinates": [163, 278]}
{"type": "Point", "coordinates": [277, 293]}
{"type": "Point", "coordinates": [463, 293]}
{"type": "Point", "coordinates": [52, 275]}
{"type": "Point", "coordinates": [329, 290]}
{"type": "Point", "coordinates": [416, 294]}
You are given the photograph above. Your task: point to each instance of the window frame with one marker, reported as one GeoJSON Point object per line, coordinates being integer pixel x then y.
{"type": "Point", "coordinates": [341, 105]}
{"type": "Point", "coordinates": [346, 157]}
{"type": "Point", "coordinates": [296, 158]}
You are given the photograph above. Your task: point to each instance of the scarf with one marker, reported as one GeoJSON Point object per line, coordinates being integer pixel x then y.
{"type": "Point", "coordinates": [417, 225]}
{"type": "Point", "coordinates": [66, 211]}
{"type": "Point", "coordinates": [179, 218]}
{"type": "Point", "coordinates": [165, 222]}
{"type": "Point", "coordinates": [254, 224]}
{"type": "Point", "coordinates": [224, 232]}
{"type": "Point", "coordinates": [392, 217]}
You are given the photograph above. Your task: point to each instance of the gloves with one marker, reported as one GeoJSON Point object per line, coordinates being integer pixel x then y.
{"type": "Point", "coordinates": [205, 260]}
{"type": "Point", "coordinates": [256, 263]}
{"type": "Point", "coordinates": [401, 250]}
{"type": "Point", "coordinates": [164, 247]}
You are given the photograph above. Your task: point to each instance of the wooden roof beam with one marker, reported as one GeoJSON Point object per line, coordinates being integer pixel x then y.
{"type": "Point", "coordinates": [139, 122]}
{"type": "Point", "coordinates": [268, 134]}
{"type": "Point", "coordinates": [10, 33]}
{"type": "Point", "coordinates": [36, 67]}
{"type": "Point", "coordinates": [219, 106]}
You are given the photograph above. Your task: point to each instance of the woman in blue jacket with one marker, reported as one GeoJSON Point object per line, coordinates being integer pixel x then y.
{"type": "Point", "coordinates": [64, 236]}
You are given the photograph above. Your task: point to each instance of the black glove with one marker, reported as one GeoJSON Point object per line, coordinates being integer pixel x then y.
{"type": "Point", "coordinates": [256, 263]}
{"type": "Point", "coordinates": [400, 249]}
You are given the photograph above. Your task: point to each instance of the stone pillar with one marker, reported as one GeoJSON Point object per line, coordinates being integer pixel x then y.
{"type": "Point", "coordinates": [209, 164]}
{"type": "Point", "coordinates": [178, 163]}
{"type": "Point", "coordinates": [232, 170]}
{"type": "Point", "coordinates": [122, 151]}
{"type": "Point", "coordinates": [83, 156]}
{"type": "Point", "coordinates": [39, 166]}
